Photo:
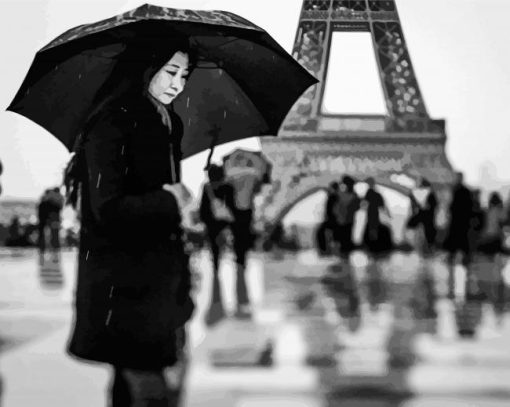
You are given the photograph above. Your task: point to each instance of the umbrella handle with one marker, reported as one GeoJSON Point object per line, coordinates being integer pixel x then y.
{"type": "Point", "coordinates": [208, 163]}
{"type": "Point", "coordinates": [215, 132]}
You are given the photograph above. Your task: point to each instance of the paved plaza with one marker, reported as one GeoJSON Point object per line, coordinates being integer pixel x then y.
{"type": "Point", "coordinates": [322, 333]}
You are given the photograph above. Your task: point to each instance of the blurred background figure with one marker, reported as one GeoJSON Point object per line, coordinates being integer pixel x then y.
{"type": "Point", "coordinates": [491, 237]}
{"type": "Point", "coordinates": [327, 230]}
{"type": "Point", "coordinates": [424, 206]}
{"type": "Point", "coordinates": [347, 204]}
{"type": "Point", "coordinates": [377, 237]}
{"type": "Point", "coordinates": [49, 212]}
{"type": "Point", "coordinates": [216, 206]}
{"type": "Point", "coordinates": [14, 233]}
{"type": "Point", "coordinates": [487, 263]}
{"type": "Point", "coordinates": [246, 171]}
{"type": "Point", "coordinates": [459, 229]}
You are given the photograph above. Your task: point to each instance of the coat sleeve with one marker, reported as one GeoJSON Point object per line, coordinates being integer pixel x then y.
{"type": "Point", "coordinates": [156, 211]}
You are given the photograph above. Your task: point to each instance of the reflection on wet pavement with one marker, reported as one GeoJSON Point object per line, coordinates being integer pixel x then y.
{"type": "Point", "coordinates": [323, 332]}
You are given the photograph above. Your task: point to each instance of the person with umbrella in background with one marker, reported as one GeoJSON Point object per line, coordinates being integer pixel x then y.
{"type": "Point", "coordinates": [245, 171]}
{"type": "Point", "coordinates": [109, 91]}
{"type": "Point", "coordinates": [216, 208]}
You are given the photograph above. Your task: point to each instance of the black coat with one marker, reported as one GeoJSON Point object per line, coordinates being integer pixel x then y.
{"type": "Point", "coordinates": [461, 213]}
{"type": "Point", "coordinates": [133, 277]}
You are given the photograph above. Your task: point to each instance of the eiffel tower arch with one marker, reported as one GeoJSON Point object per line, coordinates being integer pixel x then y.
{"type": "Point", "coordinates": [315, 147]}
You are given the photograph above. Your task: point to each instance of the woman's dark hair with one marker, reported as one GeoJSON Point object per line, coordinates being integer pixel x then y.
{"type": "Point", "coordinates": [129, 80]}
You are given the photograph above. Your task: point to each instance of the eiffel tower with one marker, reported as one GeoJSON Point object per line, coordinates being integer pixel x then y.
{"type": "Point", "coordinates": [314, 147]}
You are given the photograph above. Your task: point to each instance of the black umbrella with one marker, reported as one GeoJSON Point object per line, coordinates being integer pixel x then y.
{"type": "Point", "coordinates": [243, 86]}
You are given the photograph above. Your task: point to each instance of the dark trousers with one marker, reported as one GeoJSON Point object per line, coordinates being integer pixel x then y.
{"type": "Point", "coordinates": [214, 237]}
{"type": "Point", "coordinates": [242, 234]}
{"type": "Point", "coordinates": [345, 238]}
{"type": "Point", "coordinates": [243, 242]}
{"type": "Point", "coordinates": [322, 235]}
{"type": "Point", "coordinates": [54, 235]}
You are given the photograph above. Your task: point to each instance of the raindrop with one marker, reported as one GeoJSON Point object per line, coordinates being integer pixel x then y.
{"type": "Point", "coordinates": [108, 318]}
{"type": "Point", "coordinates": [136, 124]}
{"type": "Point", "coordinates": [79, 76]}
{"type": "Point", "coordinates": [187, 103]}
{"type": "Point", "coordinates": [221, 72]}
{"type": "Point", "coordinates": [189, 122]}
{"type": "Point", "coordinates": [224, 114]}
{"type": "Point", "coordinates": [111, 292]}
{"type": "Point", "coordinates": [27, 92]}
{"type": "Point", "coordinates": [122, 152]}
{"type": "Point", "coordinates": [127, 169]}
{"type": "Point", "coordinates": [87, 256]}
{"type": "Point", "coordinates": [98, 180]}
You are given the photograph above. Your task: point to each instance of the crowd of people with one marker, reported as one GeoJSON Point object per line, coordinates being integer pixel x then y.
{"type": "Point", "coordinates": [335, 233]}
{"type": "Point", "coordinates": [471, 227]}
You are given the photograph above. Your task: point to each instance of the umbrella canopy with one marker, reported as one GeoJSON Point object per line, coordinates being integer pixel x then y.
{"type": "Point", "coordinates": [245, 171]}
{"type": "Point", "coordinates": [243, 162]}
{"type": "Point", "coordinates": [243, 85]}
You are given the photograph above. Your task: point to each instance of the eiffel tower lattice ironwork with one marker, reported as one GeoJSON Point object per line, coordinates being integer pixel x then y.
{"type": "Point", "coordinates": [315, 148]}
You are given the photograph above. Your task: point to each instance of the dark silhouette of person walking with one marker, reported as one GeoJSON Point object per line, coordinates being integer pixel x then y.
{"type": "Point", "coordinates": [216, 207]}
{"type": "Point", "coordinates": [246, 183]}
{"type": "Point", "coordinates": [348, 203]}
{"type": "Point", "coordinates": [423, 216]}
{"type": "Point", "coordinates": [377, 236]}
{"type": "Point", "coordinates": [327, 232]}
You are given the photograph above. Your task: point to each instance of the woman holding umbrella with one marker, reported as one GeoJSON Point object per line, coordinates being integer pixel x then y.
{"type": "Point", "coordinates": [133, 289]}
{"type": "Point", "coordinates": [108, 91]}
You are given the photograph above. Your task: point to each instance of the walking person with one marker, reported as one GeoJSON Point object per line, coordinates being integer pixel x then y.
{"type": "Point", "coordinates": [489, 247]}
{"type": "Point", "coordinates": [133, 290]}
{"type": "Point", "coordinates": [246, 183]}
{"type": "Point", "coordinates": [458, 237]}
{"type": "Point", "coordinates": [55, 204]}
{"type": "Point", "coordinates": [347, 204]}
{"type": "Point", "coordinates": [377, 236]}
{"type": "Point", "coordinates": [42, 223]}
{"type": "Point", "coordinates": [424, 205]}
{"type": "Point", "coordinates": [327, 233]}
{"type": "Point", "coordinates": [216, 208]}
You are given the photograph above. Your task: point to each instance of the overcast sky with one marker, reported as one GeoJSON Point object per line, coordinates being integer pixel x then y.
{"type": "Point", "coordinates": [459, 49]}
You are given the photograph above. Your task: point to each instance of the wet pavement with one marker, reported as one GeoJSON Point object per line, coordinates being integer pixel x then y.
{"type": "Point", "coordinates": [322, 333]}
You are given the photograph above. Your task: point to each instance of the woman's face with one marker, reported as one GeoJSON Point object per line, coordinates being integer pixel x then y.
{"type": "Point", "coordinates": [170, 80]}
